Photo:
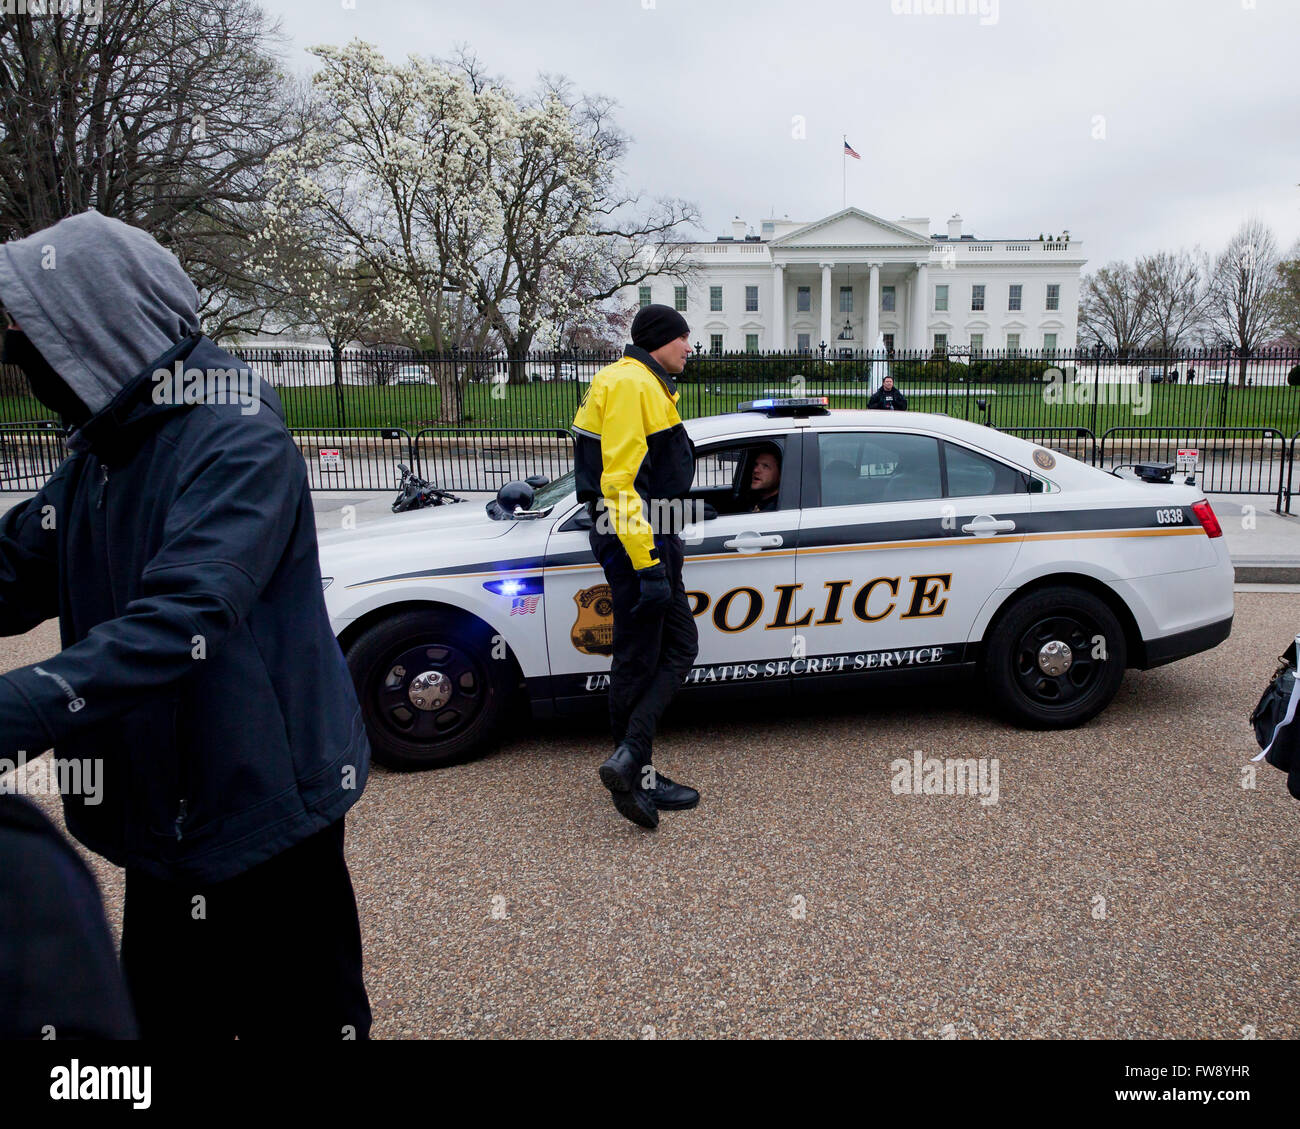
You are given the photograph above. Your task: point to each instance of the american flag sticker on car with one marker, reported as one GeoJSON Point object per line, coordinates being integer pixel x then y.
{"type": "Point", "coordinates": [524, 605]}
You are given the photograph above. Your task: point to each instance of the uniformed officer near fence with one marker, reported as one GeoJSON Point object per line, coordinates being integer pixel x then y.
{"type": "Point", "coordinates": [634, 465]}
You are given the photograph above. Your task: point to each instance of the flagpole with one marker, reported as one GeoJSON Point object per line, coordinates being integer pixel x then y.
{"type": "Point", "coordinates": [844, 171]}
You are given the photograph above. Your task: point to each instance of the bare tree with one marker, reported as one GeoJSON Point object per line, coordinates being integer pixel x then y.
{"type": "Point", "coordinates": [1244, 303]}
{"type": "Point", "coordinates": [1174, 286]}
{"type": "Point", "coordinates": [1113, 308]}
{"type": "Point", "coordinates": [162, 114]}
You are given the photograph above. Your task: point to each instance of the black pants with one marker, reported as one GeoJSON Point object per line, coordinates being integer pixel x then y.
{"type": "Point", "coordinates": [652, 653]}
{"type": "Point", "coordinates": [274, 953]}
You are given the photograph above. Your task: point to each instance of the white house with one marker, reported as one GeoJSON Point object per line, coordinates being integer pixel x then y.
{"type": "Point", "coordinates": [852, 276]}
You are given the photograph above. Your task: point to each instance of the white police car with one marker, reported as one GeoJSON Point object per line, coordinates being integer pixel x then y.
{"type": "Point", "coordinates": [903, 545]}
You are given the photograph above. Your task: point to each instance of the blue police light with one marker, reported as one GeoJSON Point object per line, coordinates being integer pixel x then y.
{"type": "Point", "coordinates": [516, 586]}
{"type": "Point", "coordinates": [800, 406]}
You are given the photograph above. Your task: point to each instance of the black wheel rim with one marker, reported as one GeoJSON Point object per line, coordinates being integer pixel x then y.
{"type": "Point", "coordinates": [388, 692]}
{"type": "Point", "coordinates": [1083, 637]}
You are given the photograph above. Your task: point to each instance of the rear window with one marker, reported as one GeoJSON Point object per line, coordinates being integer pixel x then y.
{"type": "Point", "coordinates": [971, 475]}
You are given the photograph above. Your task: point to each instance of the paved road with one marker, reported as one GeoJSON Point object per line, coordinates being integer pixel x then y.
{"type": "Point", "coordinates": [805, 898]}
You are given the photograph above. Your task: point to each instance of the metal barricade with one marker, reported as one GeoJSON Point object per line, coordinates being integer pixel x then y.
{"type": "Point", "coordinates": [29, 453]}
{"type": "Point", "coordinates": [354, 458]}
{"type": "Point", "coordinates": [474, 458]}
{"type": "Point", "coordinates": [1232, 460]}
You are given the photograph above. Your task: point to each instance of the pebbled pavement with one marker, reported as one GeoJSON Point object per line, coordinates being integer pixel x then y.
{"type": "Point", "coordinates": [507, 898]}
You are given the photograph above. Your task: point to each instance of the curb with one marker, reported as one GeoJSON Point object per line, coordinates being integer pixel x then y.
{"type": "Point", "coordinates": [1266, 570]}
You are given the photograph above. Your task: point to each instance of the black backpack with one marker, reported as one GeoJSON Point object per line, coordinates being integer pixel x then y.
{"type": "Point", "coordinates": [1276, 732]}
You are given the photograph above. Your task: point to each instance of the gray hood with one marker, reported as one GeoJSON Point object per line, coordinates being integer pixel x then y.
{"type": "Point", "coordinates": [99, 298]}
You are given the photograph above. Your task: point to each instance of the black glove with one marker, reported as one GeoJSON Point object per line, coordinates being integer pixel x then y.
{"type": "Point", "coordinates": [656, 592]}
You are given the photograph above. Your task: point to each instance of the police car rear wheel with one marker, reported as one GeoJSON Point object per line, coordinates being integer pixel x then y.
{"type": "Point", "coordinates": [430, 690]}
{"type": "Point", "coordinates": [1055, 659]}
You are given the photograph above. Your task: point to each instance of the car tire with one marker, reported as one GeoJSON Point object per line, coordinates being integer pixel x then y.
{"type": "Point", "coordinates": [1030, 680]}
{"type": "Point", "coordinates": [456, 711]}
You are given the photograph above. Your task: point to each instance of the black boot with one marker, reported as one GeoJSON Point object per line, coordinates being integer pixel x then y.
{"type": "Point", "coordinates": [621, 774]}
{"type": "Point", "coordinates": [668, 795]}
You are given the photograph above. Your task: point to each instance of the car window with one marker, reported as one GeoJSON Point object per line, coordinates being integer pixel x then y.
{"type": "Point", "coordinates": [970, 474]}
{"type": "Point", "coordinates": [860, 467]}
{"type": "Point", "coordinates": [725, 476]}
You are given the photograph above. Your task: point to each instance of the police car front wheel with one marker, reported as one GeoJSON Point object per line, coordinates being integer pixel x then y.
{"type": "Point", "coordinates": [431, 691]}
{"type": "Point", "coordinates": [1056, 658]}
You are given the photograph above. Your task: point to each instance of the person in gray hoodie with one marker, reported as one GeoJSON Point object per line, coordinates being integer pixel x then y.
{"type": "Point", "coordinates": [199, 680]}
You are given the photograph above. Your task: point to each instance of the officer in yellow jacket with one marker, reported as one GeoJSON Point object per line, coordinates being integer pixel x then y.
{"type": "Point", "coordinates": [634, 463]}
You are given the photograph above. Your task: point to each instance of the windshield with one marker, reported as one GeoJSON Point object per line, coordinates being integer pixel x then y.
{"type": "Point", "coordinates": [553, 492]}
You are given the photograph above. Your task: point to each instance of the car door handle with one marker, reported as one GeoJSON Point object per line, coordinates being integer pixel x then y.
{"type": "Point", "coordinates": [985, 524]}
{"type": "Point", "coordinates": [752, 542]}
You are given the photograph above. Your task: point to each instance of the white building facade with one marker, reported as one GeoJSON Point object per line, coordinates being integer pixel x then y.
{"type": "Point", "coordinates": [849, 278]}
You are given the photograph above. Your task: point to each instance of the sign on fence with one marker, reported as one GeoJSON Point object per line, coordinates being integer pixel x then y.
{"type": "Point", "coordinates": [331, 460]}
{"type": "Point", "coordinates": [1187, 459]}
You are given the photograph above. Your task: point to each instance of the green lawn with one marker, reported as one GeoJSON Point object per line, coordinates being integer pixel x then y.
{"type": "Point", "coordinates": [412, 407]}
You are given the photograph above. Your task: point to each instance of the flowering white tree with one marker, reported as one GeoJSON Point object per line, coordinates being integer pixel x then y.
{"type": "Point", "coordinates": [453, 194]}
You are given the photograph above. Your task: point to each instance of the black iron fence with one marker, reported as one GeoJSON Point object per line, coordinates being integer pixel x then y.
{"type": "Point", "coordinates": [472, 418]}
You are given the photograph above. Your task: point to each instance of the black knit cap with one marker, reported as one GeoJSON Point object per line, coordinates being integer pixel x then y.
{"type": "Point", "coordinates": [657, 325]}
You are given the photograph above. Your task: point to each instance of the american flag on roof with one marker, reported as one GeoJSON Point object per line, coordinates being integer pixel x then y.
{"type": "Point", "coordinates": [849, 151]}
{"type": "Point", "coordinates": [524, 605]}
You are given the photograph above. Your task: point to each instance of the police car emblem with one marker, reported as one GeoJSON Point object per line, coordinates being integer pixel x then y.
{"type": "Point", "coordinates": [593, 630]}
{"type": "Point", "coordinates": [1044, 459]}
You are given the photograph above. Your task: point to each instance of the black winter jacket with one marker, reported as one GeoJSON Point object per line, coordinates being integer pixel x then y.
{"type": "Point", "coordinates": [177, 545]}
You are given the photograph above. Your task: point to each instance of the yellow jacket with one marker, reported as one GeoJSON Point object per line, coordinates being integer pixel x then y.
{"type": "Point", "coordinates": [631, 451]}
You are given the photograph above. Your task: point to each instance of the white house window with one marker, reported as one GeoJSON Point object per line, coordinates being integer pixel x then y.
{"type": "Point", "coordinates": [889, 340]}
{"type": "Point", "coordinates": [1013, 296]}
{"type": "Point", "coordinates": [1013, 342]}
{"type": "Point", "coordinates": [751, 342]}
{"type": "Point", "coordinates": [887, 299]}
{"type": "Point", "coordinates": [940, 342]}
{"type": "Point", "coordinates": [804, 343]}
{"type": "Point", "coordinates": [715, 344]}
{"type": "Point", "coordinates": [679, 299]}
{"type": "Point", "coordinates": [941, 298]}
{"type": "Point", "coordinates": [977, 342]}
{"type": "Point", "coordinates": [803, 299]}
{"type": "Point", "coordinates": [751, 299]}
{"type": "Point", "coordinates": [977, 296]}
{"type": "Point", "coordinates": [769, 228]}
{"type": "Point", "coordinates": [1049, 342]}
{"type": "Point", "coordinates": [715, 299]}
{"type": "Point", "coordinates": [645, 297]}
{"type": "Point", "coordinates": [846, 299]}
{"type": "Point", "coordinates": [1053, 296]}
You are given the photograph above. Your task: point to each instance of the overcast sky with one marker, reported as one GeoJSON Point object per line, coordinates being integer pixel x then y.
{"type": "Point", "coordinates": [1137, 124]}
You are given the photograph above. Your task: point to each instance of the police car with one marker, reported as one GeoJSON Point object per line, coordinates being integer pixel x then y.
{"type": "Point", "coordinates": [902, 546]}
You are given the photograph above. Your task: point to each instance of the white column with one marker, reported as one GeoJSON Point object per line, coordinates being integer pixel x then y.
{"type": "Point", "coordinates": [826, 303]}
{"type": "Point", "coordinates": [920, 306]}
{"type": "Point", "coordinates": [778, 306]}
{"type": "Point", "coordinates": [873, 307]}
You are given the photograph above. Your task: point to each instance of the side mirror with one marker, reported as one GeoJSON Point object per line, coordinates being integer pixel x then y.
{"type": "Point", "coordinates": [515, 495]}
{"type": "Point", "coordinates": [707, 511]}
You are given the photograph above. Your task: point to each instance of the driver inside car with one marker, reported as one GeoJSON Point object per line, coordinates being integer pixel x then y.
{"type": "Point", "coordinates": [765, 481]}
